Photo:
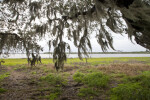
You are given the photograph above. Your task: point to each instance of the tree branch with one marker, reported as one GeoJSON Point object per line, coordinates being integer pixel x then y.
{"type": "Point", "coordinates": [92, 10]}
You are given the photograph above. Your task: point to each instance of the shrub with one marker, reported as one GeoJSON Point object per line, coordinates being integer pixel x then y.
{"type": "Point", "coordinates": [2, 90]}
{"type": "Point", "coordinates": [21, 67]}
{"type": "Point", "coordinates": [135, 88]}
{"type": "Point", "coordinates": [96, 79]}
{"type": "Point", "coordinates": [53, 96]}
{"type": "Point", "coordinates": [78, 77]}
{"type": "Point", "coordinates": [54, 79]}
{"type": "Point", "coordinates": [127, 91]}
{"type": "Point", "coordinates": [84, 92]}
{"type": "Point", "coordinates": [4, 76]}
{"type": "Point", "coordinates": [34, 73]}
{"type": "Point", "coordinates": [55, 93]}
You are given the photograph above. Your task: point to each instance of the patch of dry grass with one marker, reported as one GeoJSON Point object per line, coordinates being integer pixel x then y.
{"type": "Point", "coordinates": [128, 69]}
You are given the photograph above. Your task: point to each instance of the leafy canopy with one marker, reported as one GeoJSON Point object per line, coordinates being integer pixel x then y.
{"type": "Point", "coordinates": [25, 22]}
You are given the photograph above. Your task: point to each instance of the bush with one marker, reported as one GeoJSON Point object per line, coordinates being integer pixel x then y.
{"type": "Point", "coordinates": [135, 88]}
{"type": "Point", "coordinates": [22, 67]}
{"type": "Point", "coordinates": [96, 79]}
{"type": "Point", "coordinates": [84, 92]}
{"type": "Point", "coordinates": [3, 76]}
{"type": "Point", "coordinates": [145, 82]}
{"type": "Point", "coordinates": [78, 77]}
{"type": "Point", "coordinates": [2, 90]}
{"type": "Point", "coordinates": [54, 79]}
{"type": "Point", "coordinates": [127, 91]}
{"type": "Point", "coordinates": [55, 93]}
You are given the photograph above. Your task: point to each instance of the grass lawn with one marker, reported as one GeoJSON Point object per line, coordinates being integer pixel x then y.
{"type": "Point", "coordinates": [92, 61]}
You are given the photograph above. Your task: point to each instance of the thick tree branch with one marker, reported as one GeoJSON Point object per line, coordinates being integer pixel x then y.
{"type": "Point", "coordinates": [92, 10]}
{"type": "Point", "coordinates": [11, 34]}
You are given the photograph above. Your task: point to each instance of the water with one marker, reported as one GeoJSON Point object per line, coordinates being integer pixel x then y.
{"type": "Point", "coordinates": [76, 56]}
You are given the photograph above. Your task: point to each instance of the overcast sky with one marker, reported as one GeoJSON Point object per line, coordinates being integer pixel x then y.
{"type": "Point", "coordinates": [121, 43]}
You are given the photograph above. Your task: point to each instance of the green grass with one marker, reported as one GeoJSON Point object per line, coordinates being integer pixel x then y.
{"type": "Point", "coordinates": [87, 92]}
{"type": "Point", "coordinates": [93, 82]}
{"type": "Point", "coordinates": [4, 76]}
{"type": "Point", "coordinates": [78, 77]}
{"type": "Point", "coordinates": [92, 61]}
{"type": "Point", "coordinates": [97, 61]}
{"type": "Point", "coordinates": [54, 93]}
{"type": "Point", "coordinates": [94, 79]}
{"type": "Point", "coordinates": [133, 88]}
{"type": "Point", "coordinates": [12, 62]}
{"type": "Point", "coordinates": [54, 79]}
{"type": "Point", "coordinates": [47, 61]}
{"type": "Point", "coordinates": [2, 90]}
{"type": "Point", "coordinates": [20, 67]}
{"type": "Point", "coordinates": [128, 91]}
{"type": "Point", "coordinates": [34, 73]}
{"type": "Point", "coordinates": [53, 96]}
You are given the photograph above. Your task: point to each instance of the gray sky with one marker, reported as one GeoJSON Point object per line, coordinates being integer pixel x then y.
{"type": "Point", "coordinates": [121, 43]}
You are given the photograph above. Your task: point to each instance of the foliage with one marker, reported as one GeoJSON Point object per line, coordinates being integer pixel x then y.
{"type": "Point", "coordinates": [54, 79]}
{"type": "Point", "coordinates": [135, 88]}
{"type": "Point", "coordinates": [53, 96]}
{"type": "Point", "coordinates": [26, 22]}
{"type": "Point", "coordinates": [34, 73]}
{"type": "Point", "coordinates": [94, 79]}
{"type": "Point", "coordinates": [78, 77]}
{"type": "Point", "coordinates": [93, 82]}
{"type": "Point", "coordinates": [3, 76]}
{"type": "Point", "coordinates": [87, 92]}
{"type": "Point", "coordinates": [21, 67]}
{"type": "Point", "coordinates": [55, 92]}
{"type": "Point", "coordinates": [129, 91]}
{"type": "Point", "coordinates": [59, 55]}
{"type": "Point", "coordinates": [2, 90]}
{"type": "Point", "coordinates": [55, 83]}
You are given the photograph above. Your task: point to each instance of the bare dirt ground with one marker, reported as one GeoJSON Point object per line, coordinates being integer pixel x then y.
{"type": "Point", "coordinates": [19, 85]}
{"type": "Point", "coordinates": [23, 85]}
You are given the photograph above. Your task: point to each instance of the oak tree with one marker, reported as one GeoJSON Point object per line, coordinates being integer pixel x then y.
{"type": "Point", "coordinates": [24, 22]}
